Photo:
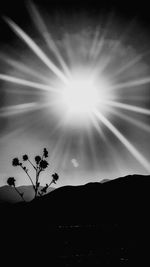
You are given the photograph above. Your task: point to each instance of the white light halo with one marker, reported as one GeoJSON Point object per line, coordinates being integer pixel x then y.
{"type": "Point", "coordinates": [80, 96]}
{"type": "Point", "coordinates": [82, 93]}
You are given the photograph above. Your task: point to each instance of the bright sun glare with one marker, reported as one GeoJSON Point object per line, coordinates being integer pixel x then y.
{"type": "Point", "coordinates": [90, 78]}
{"type": "Point", "coordinates": [82, 93]}
{"type": "Point", "coordinates": [80, 96]}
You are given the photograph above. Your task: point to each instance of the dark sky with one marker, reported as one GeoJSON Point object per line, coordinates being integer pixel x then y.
{"type": "Point", "coordinates": [126, 8]}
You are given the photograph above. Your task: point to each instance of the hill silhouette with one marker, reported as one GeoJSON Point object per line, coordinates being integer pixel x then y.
{"type": "Point", "coordinates": [119, 199]}
{"type": "Point", "coordinates": [8, 194]}
{"type": "Point", "coordinates": [97, 224]}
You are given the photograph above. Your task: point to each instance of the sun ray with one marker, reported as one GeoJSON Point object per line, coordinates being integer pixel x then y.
{"type": "Point", "coordinates": [41, 26]}
{"type": "Point", "coordinates": [39, 86]}
{"type": "Point", "coordinates": [99, 45]}
{"type": "Point", "coordinates": [97, 126]}
{"type": "Point", "coordinates": [132, 83]}
{"type": "Point", "coordinates": [23, 68]}
{"type": "Point", "coordinates": [36, 49]}
{"type": "Point", "coordinates": [58, 146]}
{"type": "Point", "coordinates": [128, 107]}
{"type": "Point", "coordinates": [94, 43]}
{"type": "Point", "coordinates": [71, 55]}
{"type": "Point", "coordinates": [91, 141]}
{"type": "Point", "coordinates": [25, 107]}
{"type": "Point", "coordinates": [135, 153]}
{"type": "Point", "coordinates": [106, 142]}
{"type": "Point", "coordinates": [140, 124]}
{"type": "Point", "coordinates": [10, 135]}
{"type": "Point", "coordinates": [102, 65]}
{"type": "Point", "coordinates": [128, 65]}
{"type": "Point", "coordinates": [113, 152]}
{"type": "Point", "coordinates": [18, 109]}
{"type": "Point", "coordinates": [98, 49]}
{"type": "Point", "coordinates": [66, 153]}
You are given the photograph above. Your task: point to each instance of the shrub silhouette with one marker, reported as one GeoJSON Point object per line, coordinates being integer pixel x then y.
{"type": "Point", "coordinates": [40, 165]}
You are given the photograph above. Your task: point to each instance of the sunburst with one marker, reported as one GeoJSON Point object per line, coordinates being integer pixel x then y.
{"type": "Point", "coordinates": [84, 82]}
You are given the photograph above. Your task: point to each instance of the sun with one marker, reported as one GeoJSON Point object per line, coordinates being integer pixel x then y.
{"type": "Point", "coordinates": [82, 93]}
{"type": "Point", "coordinates": [80, 96]}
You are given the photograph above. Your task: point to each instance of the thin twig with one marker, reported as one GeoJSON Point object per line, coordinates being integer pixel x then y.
{"type": "Point", "coordinates": [20, 194]}
{"type": "Point", "coordinates": [29, 177]}
{"type": "Point", "coordinates": [32, 164]}
{"type": "Point", "coordinates": [36, 183]}
{"type": "Point", "coordinates": [50, 183]}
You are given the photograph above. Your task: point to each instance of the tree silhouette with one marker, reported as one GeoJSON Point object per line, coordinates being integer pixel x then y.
{"type": "Point", "coordinates": [40, 165]}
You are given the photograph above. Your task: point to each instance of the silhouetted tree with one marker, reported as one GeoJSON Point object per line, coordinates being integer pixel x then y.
{"type": "Point", "coordinates": [40, 165]}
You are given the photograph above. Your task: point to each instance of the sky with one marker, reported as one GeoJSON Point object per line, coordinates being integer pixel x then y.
{"type": "Point", "coordinates": [75, 78]}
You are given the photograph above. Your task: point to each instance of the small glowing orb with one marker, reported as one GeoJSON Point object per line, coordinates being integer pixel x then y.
{"type": "Point", "coordinates": [80, 96]}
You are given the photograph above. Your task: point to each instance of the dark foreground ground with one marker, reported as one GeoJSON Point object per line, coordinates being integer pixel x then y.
{"type": "Point", "coordinates": [92, 225]}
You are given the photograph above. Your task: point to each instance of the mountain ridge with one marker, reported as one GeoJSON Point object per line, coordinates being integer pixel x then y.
{"type": "Point", "coordinates": [8, 193]}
